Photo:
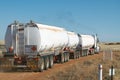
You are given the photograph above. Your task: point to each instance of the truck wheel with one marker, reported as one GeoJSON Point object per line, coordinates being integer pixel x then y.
{"type": "Point", "coordinates": [79, 54]}
{"type": "Point", "coordinates": [62, 57]}
{"type": "Point", "coordinates": [87, 52]}
{"type": "Point", "coordinates": [74, 55]}
{"type": "Point", "coordinates": [51, 61]}
{"type": "Point", "coordinates": [41, 64]}
{"type": "Point", "coordinates": [93, 52]}
{"type": "Point", "coordinates": [67, 57]}
{"type": "Point", "coordinates": [46, 59]}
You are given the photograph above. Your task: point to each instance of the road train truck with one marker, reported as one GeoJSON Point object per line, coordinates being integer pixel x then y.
{"type": "Point", "coordinates": [88, 44]}
{"type": "Point", "coordinates": [37, 46]}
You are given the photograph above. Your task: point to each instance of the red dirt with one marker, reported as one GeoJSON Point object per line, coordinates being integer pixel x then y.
{"type": "Point", "coordinates": [45, 74]}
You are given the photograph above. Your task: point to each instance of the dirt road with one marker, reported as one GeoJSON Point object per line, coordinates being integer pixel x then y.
{"type": "Point", "coordinates": [45, 75]}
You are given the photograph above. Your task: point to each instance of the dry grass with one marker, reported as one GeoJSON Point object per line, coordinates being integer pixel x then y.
{"type": "Point", "coordinates": [2, 42]}
{"type": "Point", "coordinates": [114, 47]}
{"type": "Point", "coordinates": [88, 70]}
{"type": "Point", "coordinates": [2, 48]}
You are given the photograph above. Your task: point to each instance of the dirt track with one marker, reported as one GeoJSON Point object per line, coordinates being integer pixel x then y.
{"type": "Point", "coordinates": [47, 73]}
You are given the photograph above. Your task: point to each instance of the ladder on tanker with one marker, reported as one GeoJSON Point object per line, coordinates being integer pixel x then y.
{"type": "Point", "coordinates": [20, 40]}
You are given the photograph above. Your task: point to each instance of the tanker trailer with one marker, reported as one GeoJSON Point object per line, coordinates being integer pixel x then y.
{"type": "Point", "coordinates": [88, 44]}
{"type": "Point", "coordinates": [35, 46]}
{"type": "Point", "coordinates": [73, 44]}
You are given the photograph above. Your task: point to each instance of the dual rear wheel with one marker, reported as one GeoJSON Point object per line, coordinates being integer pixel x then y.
{"type": "Point", "coordinates": [64, 57]}
{"type": "Point", "coordinates": [45, 62]}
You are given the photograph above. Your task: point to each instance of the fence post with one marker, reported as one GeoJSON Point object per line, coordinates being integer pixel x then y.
{"type": "Point", "coordinates": [100, 72]}
{"type": "Point", "coordinates": [111, 72]}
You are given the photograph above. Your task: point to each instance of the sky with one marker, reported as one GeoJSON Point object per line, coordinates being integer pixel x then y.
{"type": "Point", "coordinates": [101, 17]}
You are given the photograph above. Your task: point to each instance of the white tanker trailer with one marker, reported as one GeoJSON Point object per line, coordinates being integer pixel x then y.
{"type": "Point", "coordinates": [88, 44]}
{"type": "Point", "coordinates": [72, 45]}
{"type": "Point", "coordinates": [37, 46]}
{"type": "Point", "coordinates": [35, 38]}
{"type": "Point", "coordinates": [36, 42]}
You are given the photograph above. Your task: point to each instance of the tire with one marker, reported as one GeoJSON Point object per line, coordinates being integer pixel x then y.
{"type": "Point", "coordinates": [93, 52]}
{"type": "Point", "coordinates": [62, 57]}
{"type": "Point", "coordinates": [51, 62]}
{"type": "Point", "coordinates": [41, 64]}
{"type": "Point", "coordinates": [87, 52]}
{"type": "Point", "coordinates": [74, 55]}
{"type": "Point", "coordinates": [67, 57]}
{"type": "Point", "coordinates": [79, 54]}
{"type": "Point", "coordinates": [46, 60]}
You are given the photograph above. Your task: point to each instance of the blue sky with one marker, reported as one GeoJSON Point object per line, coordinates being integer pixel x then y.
{"type": "Point", "coordinates": [100, 17]}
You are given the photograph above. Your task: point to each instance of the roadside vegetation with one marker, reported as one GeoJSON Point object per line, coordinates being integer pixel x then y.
{"type": "Point", "coordinates": [88, 70]}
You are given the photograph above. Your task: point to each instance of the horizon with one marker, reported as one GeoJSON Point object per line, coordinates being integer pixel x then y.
{"type": "Point", "coordinates": [81, 16]}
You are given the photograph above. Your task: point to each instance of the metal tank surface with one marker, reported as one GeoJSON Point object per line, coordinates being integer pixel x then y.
{"type": "Point", "coordinates": [14, 36]}
{"type": "Point", "coordinates": [46, 37]}
{"type": "Point", "coordinates": [87, 41]}
{"type": "Point", "coordinates": [73, 39]}
{"type": "Point", "coordinates": [33, 38]}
